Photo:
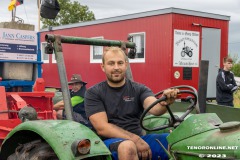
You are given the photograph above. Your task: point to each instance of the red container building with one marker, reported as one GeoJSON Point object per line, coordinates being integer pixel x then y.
{"type": "Point", "coordinates": [170, 45]}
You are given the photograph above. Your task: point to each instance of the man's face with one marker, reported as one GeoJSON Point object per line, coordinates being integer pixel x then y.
{"type": "Point", "coordinates": [76, 87]}
{"type": "Point", "coordinates": [115, 67]}
{"type": "Point", "coordinates": [227, 66]}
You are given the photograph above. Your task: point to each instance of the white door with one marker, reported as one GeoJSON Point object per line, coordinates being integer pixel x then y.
{"type": "Point", "coordinates": [211, 38]}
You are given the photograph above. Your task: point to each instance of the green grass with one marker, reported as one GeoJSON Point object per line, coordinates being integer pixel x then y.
{"type": "Point", "coordinates": [237, 99]}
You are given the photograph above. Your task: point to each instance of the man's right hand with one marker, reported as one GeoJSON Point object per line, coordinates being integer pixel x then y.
{"type": "Point", "coordinates": [230, 86]}
{"type": "Point", "coordinates": [59, 106]}
{"type": "Point", "coordinates": [144, 151]}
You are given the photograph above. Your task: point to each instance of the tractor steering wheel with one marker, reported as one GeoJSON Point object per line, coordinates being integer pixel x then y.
{"type": "Point", "coordinates": [174, 120]}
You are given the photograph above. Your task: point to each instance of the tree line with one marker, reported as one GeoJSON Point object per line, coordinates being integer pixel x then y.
{"type": "Point", "coordinates": [71, 12]}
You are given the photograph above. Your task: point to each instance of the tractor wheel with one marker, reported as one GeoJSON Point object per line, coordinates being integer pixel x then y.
{"type": "Point", "coordinates": [35, 150]}
{"type": "Point", "coordinates": [182, 53]}
{"type": "Point", "coordinates": [190, 54]}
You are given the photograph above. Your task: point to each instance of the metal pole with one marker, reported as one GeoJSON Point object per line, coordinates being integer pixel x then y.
{"type": "Point", "coordinates": [89, 41]}
{"type": "Point", "coordinates": [129, 71]}
{"type": "Point", "coordinates": [63, 78]}
{"type": "Point", "coordinates": [15, 11]}
{"type": "Point", "coordinates": [202, 85]}
{"type": "Point", "coordinates": [38, 1]}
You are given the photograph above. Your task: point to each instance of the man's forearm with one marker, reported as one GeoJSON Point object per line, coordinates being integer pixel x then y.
{"type": "Point", "coordinates": [158, 110]}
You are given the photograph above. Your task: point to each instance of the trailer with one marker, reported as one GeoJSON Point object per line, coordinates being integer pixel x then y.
{"type": "Point", "coordinates": [164, 39]}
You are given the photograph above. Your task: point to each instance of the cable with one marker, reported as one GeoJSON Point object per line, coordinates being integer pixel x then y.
{"type": "Point", "coordinates": [25, 13]}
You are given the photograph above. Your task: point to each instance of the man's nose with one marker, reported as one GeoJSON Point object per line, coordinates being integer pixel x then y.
{"type": "Point", "coordinates": [74, 85]}
{"type": "Point", "coordinates": [116, 66]}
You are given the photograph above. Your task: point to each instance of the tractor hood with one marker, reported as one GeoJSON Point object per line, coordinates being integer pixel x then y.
{"type": "Point", "coordinates": [194, 125]}
{"type": "Point", "coordinates": [204, 136]}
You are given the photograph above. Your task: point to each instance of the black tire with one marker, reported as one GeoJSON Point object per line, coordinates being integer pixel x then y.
{"type": "Point", "coordinates": [182, 53]}
{"type": "Point", "coordinates": [190, 53]}
{"type": "Point", "coordinates": [35, 150]}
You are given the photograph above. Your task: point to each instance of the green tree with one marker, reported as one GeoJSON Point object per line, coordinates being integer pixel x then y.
{"type": "Point", "coordinates": [236, 65]}
{"type": "Point", "coordinates": [236, 69]}
{"type": "Point", "coordinates": [71, 12]}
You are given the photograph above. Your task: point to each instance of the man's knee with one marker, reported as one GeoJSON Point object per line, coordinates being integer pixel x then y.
{"type": "Point", "coordinates": [127, 148]}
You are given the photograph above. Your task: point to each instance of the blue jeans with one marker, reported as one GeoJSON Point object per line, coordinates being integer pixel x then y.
{"type": "Point", "coordinates": [151, 141]}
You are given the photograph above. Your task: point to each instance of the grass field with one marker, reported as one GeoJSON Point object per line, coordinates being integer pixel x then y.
{"type": "Point", "coordinates": [237, 99]}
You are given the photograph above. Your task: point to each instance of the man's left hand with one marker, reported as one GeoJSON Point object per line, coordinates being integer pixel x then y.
{"type": "Point", "coordinates": [171, 95]}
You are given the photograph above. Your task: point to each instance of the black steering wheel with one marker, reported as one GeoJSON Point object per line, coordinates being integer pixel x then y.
{"type": "Point", "coordinates": [174, 120]}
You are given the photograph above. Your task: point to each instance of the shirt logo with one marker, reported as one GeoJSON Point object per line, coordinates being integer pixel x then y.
{"type": "Point", "coordinates": [128, 98]}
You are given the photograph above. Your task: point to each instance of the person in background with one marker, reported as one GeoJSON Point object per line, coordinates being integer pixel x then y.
{"type": "Point", "coordinates": [114, 108]}
{"type": "Point", "coordinates": [225, 84]}
{"type": "Point", "coordinates": [77, 100]}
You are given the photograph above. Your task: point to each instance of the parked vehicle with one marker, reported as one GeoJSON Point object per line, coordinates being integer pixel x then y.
{"type": "Point", "coordinates": [200, 136]}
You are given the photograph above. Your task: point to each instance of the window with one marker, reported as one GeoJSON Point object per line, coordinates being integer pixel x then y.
{"type": "Point", "coordinates": [96, 53]}
{"type": "Point", "coordinates": [139, 40]}
{"type": "Point", "coordinates": [45, 57]}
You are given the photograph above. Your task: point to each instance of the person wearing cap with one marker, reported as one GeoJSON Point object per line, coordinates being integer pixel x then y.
{"type": "Point", "coordinates": [225, 84]}
{"type": "Point", "coordinates": [77, 99]}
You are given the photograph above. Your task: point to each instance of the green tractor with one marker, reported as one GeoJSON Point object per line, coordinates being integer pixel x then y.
{"type": "Point", "coordinates": [195, 136]}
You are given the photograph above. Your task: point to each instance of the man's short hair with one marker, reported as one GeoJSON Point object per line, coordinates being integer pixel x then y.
{"type": "Point", "coordinates": [114, 50]}
{"type": "Point", "coordinates": [227, 59]}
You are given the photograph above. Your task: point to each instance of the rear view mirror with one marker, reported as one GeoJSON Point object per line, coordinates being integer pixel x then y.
{"type": "Point", "coordinates": [49, 9]}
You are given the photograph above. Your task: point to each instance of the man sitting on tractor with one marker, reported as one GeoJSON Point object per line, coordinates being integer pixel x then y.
{"type": "Point", "coordinates": [114, 108]}
{"type": "Point", "coordinates": [77, 100]}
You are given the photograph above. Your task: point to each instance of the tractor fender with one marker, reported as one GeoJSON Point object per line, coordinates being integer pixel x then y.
{"type": "Point", "coordinates": [59, 134]}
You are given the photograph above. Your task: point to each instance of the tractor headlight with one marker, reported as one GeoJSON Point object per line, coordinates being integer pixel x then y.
{"type": "Point", "coordinates": [81, 147]}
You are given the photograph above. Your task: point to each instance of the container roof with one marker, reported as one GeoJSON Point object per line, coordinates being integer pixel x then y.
{"type": "Point", "coordinates": [141, 15]}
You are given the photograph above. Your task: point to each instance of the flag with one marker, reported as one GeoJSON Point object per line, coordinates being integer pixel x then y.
{"type": "Point", "coordinates": [19, 2]}
{"type": "Point", "coordinates": [14, 3]}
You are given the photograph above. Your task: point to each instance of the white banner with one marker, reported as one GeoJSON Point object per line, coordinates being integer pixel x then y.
{"type": "Point", "coordinates": [186, 48]}
{"type": "Point", "coordinates": [18, 44]}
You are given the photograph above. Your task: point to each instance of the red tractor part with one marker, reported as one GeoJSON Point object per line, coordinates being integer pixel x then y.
{"type": "Point", "coordinates": [12, 102]}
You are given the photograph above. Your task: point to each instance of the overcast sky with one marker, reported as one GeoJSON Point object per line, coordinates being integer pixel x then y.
{"type": "Point", "coordinates": [111, 8]}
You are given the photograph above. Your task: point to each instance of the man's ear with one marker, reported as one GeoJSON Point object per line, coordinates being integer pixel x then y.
{"type": "Point", "coordinates": [126, 63]}
{"type": "Point", "coordinates": [102, 67]}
